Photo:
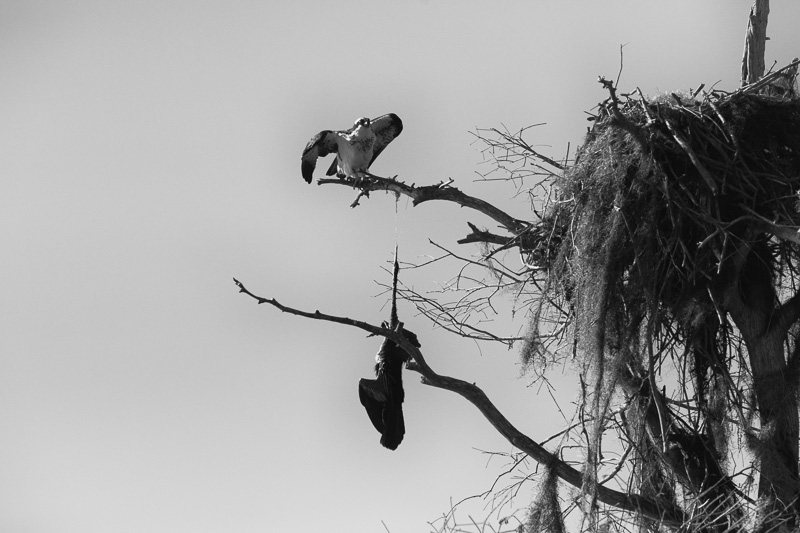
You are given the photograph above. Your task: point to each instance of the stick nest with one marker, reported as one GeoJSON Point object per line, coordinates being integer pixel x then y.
{"type": "Point", "coordinates": [661, 194]}
{"type": "Point", "coordinates": [682, 178]}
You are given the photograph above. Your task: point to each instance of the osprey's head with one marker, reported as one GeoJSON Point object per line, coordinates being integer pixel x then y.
{"type": "Point", "coordinates": [363, 121]}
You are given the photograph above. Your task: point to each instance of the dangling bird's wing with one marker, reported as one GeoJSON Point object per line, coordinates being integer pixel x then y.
{"type": "Point", "coordinates": [385, 128]}
{"type": "Point", "coordinates": [373, 398]}
{"type": "Point", "coordinates": [322, 144]}
{"type": "Point", "coordinates": [394, 427]}
{"type": "Point", "coordinates": [385, 415]}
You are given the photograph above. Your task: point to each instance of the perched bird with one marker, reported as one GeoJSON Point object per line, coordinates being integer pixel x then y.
{"type": "Point", "coordinates": [383, 397]}
{"type": "Point", "coordinates": [355, 148]}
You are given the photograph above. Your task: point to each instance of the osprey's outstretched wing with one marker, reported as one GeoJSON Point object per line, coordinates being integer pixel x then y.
{"type": "Point", "coordinates": [322, 144]}
{"type": "Point", "coordinates": [385, 128]}
{"type": "Point", "coordinates": [373, 398]}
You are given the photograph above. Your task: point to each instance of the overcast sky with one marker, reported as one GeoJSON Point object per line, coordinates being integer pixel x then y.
{"type": "Point", "coordinates": [149, 152]}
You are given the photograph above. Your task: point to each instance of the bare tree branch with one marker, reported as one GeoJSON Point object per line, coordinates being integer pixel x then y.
{"type": "Point", "coordinates": [441, 191]}
{"type": "Point", "coordinates": [633, 503]}
{"type": "Point", "coordinates": [620, 117]}
{"type": "Point", "coordinates": [479, 235]}
{"type": "Point", "coordinates": [515, 140]}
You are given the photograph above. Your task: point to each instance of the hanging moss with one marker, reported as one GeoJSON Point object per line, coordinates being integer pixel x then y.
{"type": "Point", "coordinates": [657, 201]}
{"type": "Point", "coordinates": [544, 513]}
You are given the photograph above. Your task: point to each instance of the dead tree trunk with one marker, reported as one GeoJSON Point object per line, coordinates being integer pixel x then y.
{"type": "Point", "coordinates": [753, 305]}
{"type": "Point", "coordinates": [755, 43]}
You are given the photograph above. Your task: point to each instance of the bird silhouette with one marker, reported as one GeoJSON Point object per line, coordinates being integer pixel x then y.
{"type": "Point", "coordinates": [383, 397]}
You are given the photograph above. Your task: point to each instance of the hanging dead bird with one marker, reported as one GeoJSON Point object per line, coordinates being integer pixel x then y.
{"type": "Point", "coordinates": [383, 397]}
{"type": "Point", "coordinates": [355, 149]}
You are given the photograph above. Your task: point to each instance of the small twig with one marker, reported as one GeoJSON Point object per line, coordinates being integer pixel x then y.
{"type": "Point", "coordinates": [643, 102]}
{"type": "Point", "coordinates": [618, 467]}
{"type": "Point", "coordinates": [697, 91]}
{"type": "Point", "coordinates": [361, 194]}
{"type": "Point", "coordinates": [519, 142]}
{"type": "Point", "coordinates": [619, 74]}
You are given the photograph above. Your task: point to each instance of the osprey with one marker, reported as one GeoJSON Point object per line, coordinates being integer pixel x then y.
{"type": "Point", "coordinates": [355, 148]}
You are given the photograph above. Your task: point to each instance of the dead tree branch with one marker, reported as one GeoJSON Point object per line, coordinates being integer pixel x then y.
{"type": "Point", "coordinates": [621, 120]}
{"type": "Point", "coordinates": [479, 235]}
{"type": "Point", "coordinates": [755, 42]}
{"type": "Point", "coordinates": [509, 141]}
{"type": "Point", "coordinates": [633, 503]}
{"type": "Point", "coordinates": [440, 191]}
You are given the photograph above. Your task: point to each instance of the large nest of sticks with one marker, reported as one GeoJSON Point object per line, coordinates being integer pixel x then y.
{"type": "Point", "coordinates": [663, 191]}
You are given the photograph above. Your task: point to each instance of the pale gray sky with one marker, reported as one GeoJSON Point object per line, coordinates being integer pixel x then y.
{"type": "Point", "coordinates": [149, 152]}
